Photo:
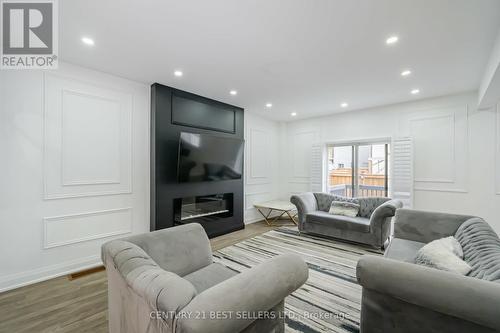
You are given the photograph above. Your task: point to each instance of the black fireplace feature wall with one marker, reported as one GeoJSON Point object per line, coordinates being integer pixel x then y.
{"type": "Point", "coordinates": [203, 208]}
{"type": "Point", "coordinates": [176, 202]}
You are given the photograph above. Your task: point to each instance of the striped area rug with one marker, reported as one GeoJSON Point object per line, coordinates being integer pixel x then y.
{"type": "Point", "coordinates": [330, 299]}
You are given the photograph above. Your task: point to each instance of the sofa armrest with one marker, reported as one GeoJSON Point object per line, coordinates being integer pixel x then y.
{"type": "Point", "coordinates": [305, 203]}
{"type": "Point", "coordinates": [424, 227]}
{"type": "Point", "coordinates": [257, 289]}
{"type": "Point", "coordinates": [380, 220]}
{"type": "Point", "coordinates": [468, 298]}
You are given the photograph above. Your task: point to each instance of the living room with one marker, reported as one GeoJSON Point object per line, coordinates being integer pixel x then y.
{"type": "Point", "coordinates": [250, 166]}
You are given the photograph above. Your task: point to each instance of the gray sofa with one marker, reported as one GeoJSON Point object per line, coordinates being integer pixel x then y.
{"type": "Point", "coordinates": [400, 296]}
{"type": "Point", "coordinates": [166, 281]}
{"type": "Point", "coordinates": [372, 226]}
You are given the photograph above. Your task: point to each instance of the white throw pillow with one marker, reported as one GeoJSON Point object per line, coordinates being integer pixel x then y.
{"type": "Point", "coordinates": [344, 208]}
{"type": "Point", "coordinates": [445, 254]}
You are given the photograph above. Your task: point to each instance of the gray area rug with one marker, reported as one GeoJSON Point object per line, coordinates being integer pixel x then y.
{"type": "Point", "coordinates": [330, 299]}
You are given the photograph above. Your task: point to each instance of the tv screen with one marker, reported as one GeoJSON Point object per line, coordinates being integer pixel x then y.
{"type": "Point", "coordinates": [205, 157]}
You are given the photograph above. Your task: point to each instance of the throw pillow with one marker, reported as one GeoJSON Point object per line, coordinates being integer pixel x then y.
{"type": "Point", "coordinates": [344, 208]}
{"type": "Point", "coordinates": [444, 254]}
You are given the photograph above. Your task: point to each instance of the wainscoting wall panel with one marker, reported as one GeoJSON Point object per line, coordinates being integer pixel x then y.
{"type": "Point", "coordinates": [441, 148]}
{"type": "Point", "coordinates": [301, 153]}
{"type": "Point", "coordinates": [259, 162]}
{"type": "Point", "coordinates": [87, 139]}
{"type": "Point", "coordinates": [298, 158]}
{"type": "Point", "coordinates": [75, 228]}
{"type": "Point", "coordinates": [434, 139]}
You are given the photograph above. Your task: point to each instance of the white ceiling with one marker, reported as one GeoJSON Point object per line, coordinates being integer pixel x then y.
{"type": "Point", "coordinates": [306, 56]}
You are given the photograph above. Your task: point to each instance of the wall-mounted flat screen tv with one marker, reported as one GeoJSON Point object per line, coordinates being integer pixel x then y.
{"type": "Point", "coordinates": [204, 157]}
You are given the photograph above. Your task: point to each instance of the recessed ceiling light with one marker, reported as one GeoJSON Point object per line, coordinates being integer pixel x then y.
{"type": "Point", "coordinates": [344, 105]}
{"type": "Point", "coordinates": [269, 105]}
{"type": "Point", "coordinates": [178, 73]}
{"type": "Point", "coordinates": [392, 40]}
{"type": "Point", "coordinates": [415, 91]}
{"type": "Point", "coordinates": [405, 72]}
{"type": "Point", "coordinates": [293, 114]}
{"type": "Point", "coordinates": [233, 92]}
{"type": "Point", "coordinates": [88, 41]}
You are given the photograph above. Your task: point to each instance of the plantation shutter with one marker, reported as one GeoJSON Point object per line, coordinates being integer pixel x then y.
{"type": "Point", "coordinates": [402, 186]}
{"type": "Point", "coordinates": [317, 168]}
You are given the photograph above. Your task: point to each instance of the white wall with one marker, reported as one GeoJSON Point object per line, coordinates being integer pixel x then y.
{"type": "Point", "coordinates": [263, 170]}
{"type": "Point", "coordinates": [461, 142]}
{"type": "Point", "coordinates": [74, 170]}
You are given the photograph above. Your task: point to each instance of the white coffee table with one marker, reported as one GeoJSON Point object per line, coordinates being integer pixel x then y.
{"type": "Point", "coordinates": [281, 206]}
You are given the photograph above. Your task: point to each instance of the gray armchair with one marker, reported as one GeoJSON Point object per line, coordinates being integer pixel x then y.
{"type": "Point", "coordinates": [372, 226]}
{"type": "Point", "coordinates": [166, 281]}
{"type": "Point", "coordinates": [402, 297]}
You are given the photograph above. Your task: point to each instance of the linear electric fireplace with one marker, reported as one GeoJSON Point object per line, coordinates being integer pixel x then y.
{"type": "Point", "coordinates": [196, 178]}
{"type": "Point", "coordinates": [203, 208]}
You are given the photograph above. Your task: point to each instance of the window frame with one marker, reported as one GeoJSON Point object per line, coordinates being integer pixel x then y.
{"type": "Point", "coordinates": [387, 142]}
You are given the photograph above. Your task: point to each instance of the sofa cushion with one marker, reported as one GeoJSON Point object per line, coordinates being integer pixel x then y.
{"type": "Point", "coordinates": [344, 208]}
{"type": "Point", "coordinates": [368, 205]}
{"type": "Point", "coordinates": [357, 223]}
{"type": "Point", "coordinates": [481, 247]}
{"type": "Point", "coordinates": [209, 276]}
{"type": "Point", "coordinates": [403, 249]}
{"type": "Point", "coordinates": [444, 254]}
{"type": "Point", "coordinates": [324, 200]}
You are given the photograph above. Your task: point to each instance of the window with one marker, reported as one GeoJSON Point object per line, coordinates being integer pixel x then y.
{"type": "Point", "coordinates": [359, 169]}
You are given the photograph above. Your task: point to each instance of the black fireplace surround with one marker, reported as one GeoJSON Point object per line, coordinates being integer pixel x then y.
{"type": "Point", "coordinates": [216, 205]}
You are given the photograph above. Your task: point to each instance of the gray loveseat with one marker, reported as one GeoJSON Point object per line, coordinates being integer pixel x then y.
{"type": "Point", "coordinates": [372, 226]}
{"type": "Point", "coordinates": [400, 296]}
{"type": "Point", "coordinates": [166, 281]}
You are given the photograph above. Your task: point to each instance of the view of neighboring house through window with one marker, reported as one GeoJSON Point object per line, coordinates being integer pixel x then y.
{"type": "Point", "coordinates": [359, 169]}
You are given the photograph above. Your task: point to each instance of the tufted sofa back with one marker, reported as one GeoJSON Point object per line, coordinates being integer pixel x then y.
{"type": "Point", "coordinates": [366, 205]}
{"type": "Point", "coordinates": [481, 246]}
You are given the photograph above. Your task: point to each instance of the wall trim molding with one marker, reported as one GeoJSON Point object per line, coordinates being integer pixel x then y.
{"type": "Point", "coordinates": [251, 177]}
{"type": "Point", "coordinates": [465, 186]}
{"type": "Point", "coordinates": [451, 190]}
{"type": "Point", "coordinates": [47, 220]}
{"type": "Point", "coordinates": [452, 179]}
{"type": "Point", "coordinates": [45, 107]}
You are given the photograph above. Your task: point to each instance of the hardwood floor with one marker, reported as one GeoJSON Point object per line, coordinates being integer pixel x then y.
{"type": "Point", "coordinates": [78, 303]}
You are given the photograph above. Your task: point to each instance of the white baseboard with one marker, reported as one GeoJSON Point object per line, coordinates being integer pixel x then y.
{"type": "Point", "coordinates": [22, 279]}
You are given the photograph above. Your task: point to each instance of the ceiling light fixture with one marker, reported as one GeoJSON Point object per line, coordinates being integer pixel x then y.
{"type": "Point", "coordinates": [233, 92]}
{"type": "Point", "coordinates": [88, 41]}
{"type": "Point", "coordinates": [269, 105]}
{"type": "Point", "coordinates": [344, 105]}
{"type": "Point", "coordinates": [415, 91]}
{"type": "Point", "coordinates": [293, 114]}
{"type": "Point", "coordinates": [392, 40]}
{"type": "Point", "coordinates": [405, 72]}
{"type": "Point", "coordinates": [178, 73]}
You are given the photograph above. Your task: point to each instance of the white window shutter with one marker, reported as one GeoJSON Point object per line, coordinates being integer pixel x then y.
{"type": "Point", "coordinates": [317, 168]}
{"type": "Point", "coordinates": [402, 171]}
